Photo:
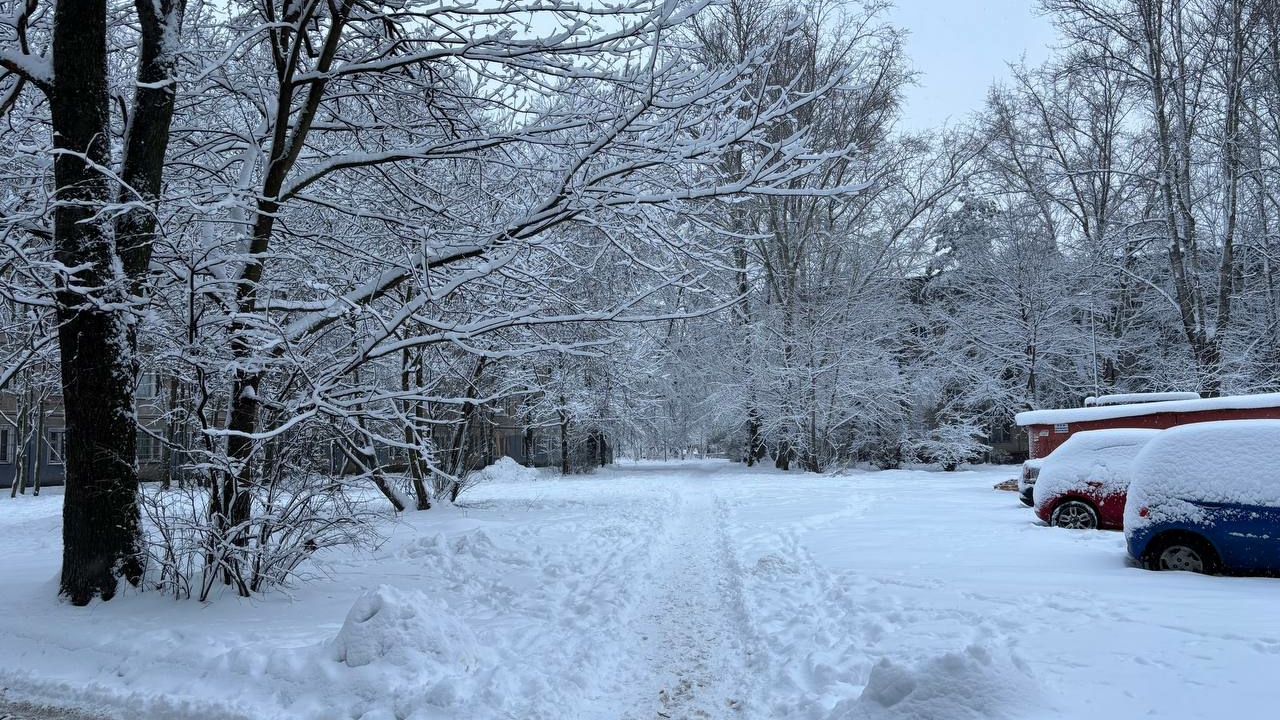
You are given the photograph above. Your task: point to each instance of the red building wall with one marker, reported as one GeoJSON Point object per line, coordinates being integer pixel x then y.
{"type": "Point", "coordinates": [1046, 438]}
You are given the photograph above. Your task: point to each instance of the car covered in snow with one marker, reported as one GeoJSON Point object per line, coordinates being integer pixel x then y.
{"type": "Point", "coordinates": [1027, 480]}
{"type": "Point", "coordinates": [1083, 484]}
{"type": "Point", "coordinates": [1206, 498]}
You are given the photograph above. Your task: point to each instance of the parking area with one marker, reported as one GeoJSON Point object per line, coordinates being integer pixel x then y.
{"type": "Point", "coordinates": [937, 563]}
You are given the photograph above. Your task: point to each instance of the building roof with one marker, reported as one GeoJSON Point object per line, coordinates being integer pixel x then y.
{"type": "Point", "coordinates": [1109, 412]}
{"type": "Point", "coordinates": [1131, 398]}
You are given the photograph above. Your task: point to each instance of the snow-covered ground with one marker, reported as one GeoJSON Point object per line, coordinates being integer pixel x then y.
{"type": "Point", "coordinates": [696, 590]}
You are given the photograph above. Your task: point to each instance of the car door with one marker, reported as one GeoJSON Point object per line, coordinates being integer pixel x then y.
{"type": "Point", "coordinates": [1246, 536]}
{"type": "Point", "coordinates": [1266, 522]}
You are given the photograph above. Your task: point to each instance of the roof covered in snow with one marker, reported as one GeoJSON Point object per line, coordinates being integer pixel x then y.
{"type": "Point", "coordinates": [1132, 398]}
{"type": "Point", "coordinates": [1109, 412]}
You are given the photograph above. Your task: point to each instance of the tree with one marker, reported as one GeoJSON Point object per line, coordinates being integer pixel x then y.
{"type": "Point", "coordinates": [103, 261]}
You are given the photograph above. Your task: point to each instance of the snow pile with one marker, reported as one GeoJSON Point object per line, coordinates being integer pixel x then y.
{"type": "Point", "coordinates": [505, 470]}
{"type": "Point", "coordinates": [1103, 457]}
{"type": "Point", "coordinates": [401, 653]}
{"type": "Point", "coordinates": [1231, 461]}
{"type": "Point", "coordinates": [404, 628]}
{"type": "Point", "coordinates": [971, 683]}
{"type": "Point", "coordinates": [1132, 398]}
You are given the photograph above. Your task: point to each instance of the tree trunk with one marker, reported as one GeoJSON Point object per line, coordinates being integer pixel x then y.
{"type": "Point", "coordinates": [564, 438]}
{"type": "Point", "coordinates": [21, 442]}
{"type": "Point", "coordinates": [459, 446]}
{"type": "Point", "coordinates": [526, 446]}
{"type": "Point", "coordinates": [291, 126]}
{"type": "Point", "coordinates": [37, 464]}
{"type": "Point", "coordinates": [413, 415]}
{"type": "Point", "coordinates": [167, 460]}
{"type": "Point", "coordinates": [147, 135]}
{"type": "Point", "coordinates": [756, 450]}
{"type": "Point", "coordinates": [101, 527]}
{"type": "Point", "coordinates": [783, 461]}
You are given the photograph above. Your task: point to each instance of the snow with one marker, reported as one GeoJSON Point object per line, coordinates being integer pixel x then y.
{"type": "Point", "coordinates": [1029, 467]}
{"type": "Point", "coordinates": [684, 590]}
{"type": "Point", "coordinates": [505, 470]}
{"type": "Point", "coordinates": [969, 684]}
{"type": "Point", "coordinates": [1100, 456]}
{"type": "Point", "coordinates": [1130, 398]}
{"type": "Point", "coordinates": [1111, 412]}
{"type": "Point", "coordinates": [1230, 461]}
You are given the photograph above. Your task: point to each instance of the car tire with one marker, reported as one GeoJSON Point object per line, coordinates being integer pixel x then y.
{"type": "Point", "coordinates": [1181, 551]}
{"type": "Point", "coordinates": [1074, 515]}
{"type": "Point", "coordinates": [1025, 499]}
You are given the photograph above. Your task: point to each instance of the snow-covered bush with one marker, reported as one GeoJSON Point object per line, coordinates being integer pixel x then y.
{"type": "Point", "coordinates": [293, 517]}
{"type": "Point", "coordinates": [950, 445]}
{"type": "Point", "coordinates": [1231, 461]}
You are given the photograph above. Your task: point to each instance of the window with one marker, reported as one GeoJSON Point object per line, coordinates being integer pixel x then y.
{"type": "Point", "coordinates": [6, 454]}
{"type": "Point", "coordinates": [150, 448]}
{"type": "Point", "coordinates": [149, 385]}
{"type": "Point", "coordinates": [57, 446]}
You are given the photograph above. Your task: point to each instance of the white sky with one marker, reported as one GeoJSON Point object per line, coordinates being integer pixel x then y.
{"type": "Point", "coordinates": [959, 47]}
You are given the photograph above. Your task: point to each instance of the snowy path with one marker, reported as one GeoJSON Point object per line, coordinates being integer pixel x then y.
{"type": "Point", "coordinates": [696, 591]}
{"type": "Point", "coordinates": [691, 627]}
{"type": "Point", "coordinates": [27, 711]}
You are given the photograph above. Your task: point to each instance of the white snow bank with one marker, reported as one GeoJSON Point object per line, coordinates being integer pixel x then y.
{"type": "Point", "coordinates": [1111, 412]}
{"type": "Point", "coordinates": [1099, 456]}
{"type": "Point", "coordinates": [406, 628]}
{"type": "Point", "coordinates": [970, 684]}
{"type": "Point", "coordinates": [1130, 398]}
{"type": "Point", "coordinates": [505, 470]}
{"type": "Point", "coordinates": [1230, 461]}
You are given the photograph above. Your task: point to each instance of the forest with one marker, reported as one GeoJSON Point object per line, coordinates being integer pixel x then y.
{"type": "Point", "coordinates": [338, 245]}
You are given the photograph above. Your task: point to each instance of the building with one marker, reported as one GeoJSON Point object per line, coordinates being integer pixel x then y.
{"type": "Point", "coordinates": [1048, 429]}
{"type": "Point", "coordinates": [32, 436]}
{"type": "Point", "coordinates": [1007, 443]}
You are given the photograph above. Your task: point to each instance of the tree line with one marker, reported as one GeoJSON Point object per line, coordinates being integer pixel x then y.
{"type": "Point", "coordinates": [374, 229]}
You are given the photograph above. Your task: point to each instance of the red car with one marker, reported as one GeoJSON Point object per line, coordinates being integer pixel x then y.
{"type": "Point", "coordinates": [1083, 484]}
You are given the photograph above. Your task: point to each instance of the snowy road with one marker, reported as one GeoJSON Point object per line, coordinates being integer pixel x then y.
{"type": "Point", "coordinates": [694, 591]}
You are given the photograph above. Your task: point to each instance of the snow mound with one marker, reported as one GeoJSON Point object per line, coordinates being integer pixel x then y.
{"type": "Point", "coordinates": [1104, 457]}
{"type": "Point", "coordinates": [505, 470]}
{"type": "Point", "coordinates": [407, 630]}
{"type": "Point", "coordinates": [1134, 398]}
{"type": "Point", "coordinates": [1230, 461]}
{"type": "Point", "coordinates": [972, 684]}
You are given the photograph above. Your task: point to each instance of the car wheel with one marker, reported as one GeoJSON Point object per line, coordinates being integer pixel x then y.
{"type": "Point", "coordinates": [1187, 553]}
{"type": "Point", "coordinates": [1074, 515]}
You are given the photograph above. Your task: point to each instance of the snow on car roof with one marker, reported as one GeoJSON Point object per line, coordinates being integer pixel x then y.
{"type": "Point", "coordinates": [1132, 398]}
{"type": "Point", "coordinates": [1070, 415]}
{"type": "Point", "coordinates": [1227, 461]}
{"type": "Point", "coordinates": [1100, 456]}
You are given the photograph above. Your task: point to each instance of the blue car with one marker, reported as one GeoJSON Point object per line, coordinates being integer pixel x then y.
{"type": "Point", "coordinates": [1206, 498]}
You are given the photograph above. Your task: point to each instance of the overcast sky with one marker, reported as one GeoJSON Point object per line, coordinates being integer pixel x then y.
{"type": "Point", "coordinates": [961, 46]}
